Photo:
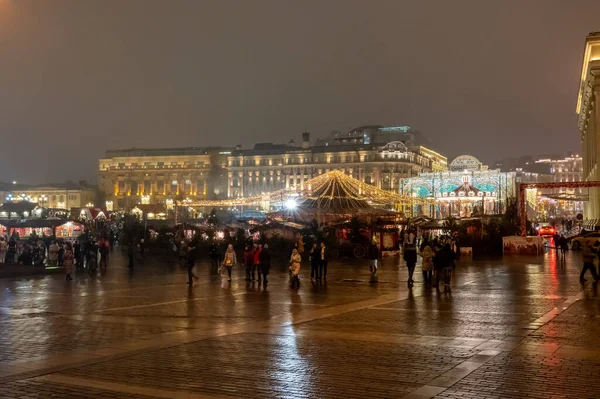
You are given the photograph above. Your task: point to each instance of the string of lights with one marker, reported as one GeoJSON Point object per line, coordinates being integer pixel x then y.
{"type": "Point", "coordinates": [330, 186]}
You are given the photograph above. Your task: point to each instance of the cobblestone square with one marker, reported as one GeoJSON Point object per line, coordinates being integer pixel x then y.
{"type": "Point", "coordinates": [509, 328]}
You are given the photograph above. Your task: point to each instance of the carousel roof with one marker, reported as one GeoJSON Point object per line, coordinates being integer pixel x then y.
{"type": "Point", "coordinates": [18, 207]}
{"type": "Point", "coordinates": [334, 190]}
{"type": "Point", "coordinates": [338, 193]}
{"type": "Point", "coordinates": [466, 190]}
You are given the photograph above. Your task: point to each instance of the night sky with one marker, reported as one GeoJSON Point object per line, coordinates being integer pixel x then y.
{"type": "Point", "coordinates": [490, 79]}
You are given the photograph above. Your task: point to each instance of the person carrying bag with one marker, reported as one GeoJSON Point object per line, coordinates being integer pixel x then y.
{"type": "Point", "coordinates": [229, 260]}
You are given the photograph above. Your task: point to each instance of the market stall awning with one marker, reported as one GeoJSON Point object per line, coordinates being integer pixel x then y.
{"type": "Point", "coordinates": [36, 223]}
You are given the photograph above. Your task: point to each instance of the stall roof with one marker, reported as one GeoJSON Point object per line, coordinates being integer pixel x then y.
{"type": "Point", "coordinates": [157, 209]}
{"type": "Point", "coordinates": [433, 224]}
{"type": "Point", "coordinates": [37, 223]}
{"type": "Point", "coordinates": [18, 207]}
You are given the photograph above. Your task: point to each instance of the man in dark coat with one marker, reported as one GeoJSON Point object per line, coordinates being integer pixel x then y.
{"type": "Point", "coordinates": [265, 263]}
{"type": "Point", "coordinates": [213, 253]}
{"type": "Point", "coordinates": [410, 257]}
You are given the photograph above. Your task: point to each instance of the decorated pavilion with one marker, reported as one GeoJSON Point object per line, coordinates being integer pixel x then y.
{"type": "Point", "coordinates": [467, 189]}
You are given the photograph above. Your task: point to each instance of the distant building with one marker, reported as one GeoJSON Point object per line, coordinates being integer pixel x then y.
{"type": "Point", "coordinates": [545, 168]}
{"type": "Point", "coordinates": [162, 175]}
{"type": "Point", "coordinates": [564, 169]}
{"type": "Point", "coordinates": [56, 196]}
{"type": "Point", "coordinates": [377, 155]}
{"type": "Point", "coordinates": [525, 163]}
{"type": "Point", "coordinates": [361, 153]}
{"type": "Point", "coordinates": [589, 121]}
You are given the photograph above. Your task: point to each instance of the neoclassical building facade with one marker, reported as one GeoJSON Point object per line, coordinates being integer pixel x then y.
{"type": "Point", "coordinates": [162, 176]}
{"type": "Point", "coordinates": [589, 121]}
{"type": "Point", "coordinates": [269, 167]}
{"type": "Point", "coordinates": [382, 156]}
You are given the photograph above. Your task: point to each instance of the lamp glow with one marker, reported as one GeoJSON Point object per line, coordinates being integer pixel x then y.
{"type": "Point", "coordinates": [290, 204]}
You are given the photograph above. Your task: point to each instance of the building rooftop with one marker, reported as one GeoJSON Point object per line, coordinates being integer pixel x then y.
{"type": "Point", "coordinates": [82, 185]}
{"type": "Point", "coordinates": [152, 152]}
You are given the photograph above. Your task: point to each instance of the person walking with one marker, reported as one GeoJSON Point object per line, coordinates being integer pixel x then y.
{"type": "Point", "coordinates": [588, 263]}
{"type": "Point", "coordinates": [373, 257]}
{"type": "Point", "coordinates": [295, 263]}
{"type": "Point", "coordinates": [256, 262]}
{"type": "Point", "coordinates": [11, 252]}
{"type": "Point", "coordinates": [439, 258]}
{"type": "Point", "coordinates": [3, 249]}
{"type": "Point", "coordinates": [410, 257]}
{"type": "Point", "coordinates": [142, 250]}
{"type": "Point", "coordinates": [323, 260]}
{"type": "Point", "coordinates": [39, 252]}
{"type": "Point", "coordinates": [26, 257]}
{"type": "Point", "coordinates": [564, 246]}
{"type": "Point", "coordinates": [53, 254]}
{"type": "Point", "coordinates": [77, 254]}
{"type": "Point", "coordinates": [68, 260]}
{"type": "Point", "coordinates": [443, 262]}
{"type": "Point", "coordinates": [183, 252]}
{"type": "Point", "coordinates": [213, 253]}
{"type": "Point", "coordinates": [190, 263]}
{"type": "Point", "coordinates": [103, 250]}
{"type": "Point", "coordinates": [427, 264]}
{"type": "Point", "coordinates": [265, 263]}
{"type": "Point", "coordinates": [249, 262]}
{"type": "Point", "coordinates": [314, 259]}
{"type": "Point", "coordinates": [61, 253]}
{"type": "Point", "coordinates": [229, 260]}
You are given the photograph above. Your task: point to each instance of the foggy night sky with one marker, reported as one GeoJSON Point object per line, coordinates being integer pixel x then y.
{"type": "Point", "coordinates": [485, 78]}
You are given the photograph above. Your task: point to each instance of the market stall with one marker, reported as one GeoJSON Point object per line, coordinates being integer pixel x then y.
{"type": "Point", "coordinates": [44, 227]}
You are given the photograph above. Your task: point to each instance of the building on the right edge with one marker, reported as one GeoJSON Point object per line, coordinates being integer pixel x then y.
{"type": "Point", "coordinates": [589, 121]}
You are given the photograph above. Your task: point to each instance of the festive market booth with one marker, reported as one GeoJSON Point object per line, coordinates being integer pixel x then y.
{"type": "Point", "coordinates": [93, 214]}
{"type": "Point", "coordinates": [150, 211]}
{"type": "Point", "coordinates": [44, 227]}
{"type": "Point", "coordinates": [277, 228]}
{"type": "Point", "coordinates": [69, 230]}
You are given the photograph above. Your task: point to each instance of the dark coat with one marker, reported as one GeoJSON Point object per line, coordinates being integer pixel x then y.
{"type": "Point", "coordinates": [315, 256]}
{"type": "Point", "coordinates": [213, 251]}
{"type": "Point", "coordinates": [249, 257]}
{"type": "Point", "coordinates": [265, 260]}
{"type": "Point", "coordinates": [410, 254]}
{"type": "Point", "coordinates": [373, 252]}
{"type": "Point", "coordinates": [443, 258]}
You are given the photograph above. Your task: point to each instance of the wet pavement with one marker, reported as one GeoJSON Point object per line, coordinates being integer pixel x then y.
{"type": "Point", "coordinates": [518, 327]}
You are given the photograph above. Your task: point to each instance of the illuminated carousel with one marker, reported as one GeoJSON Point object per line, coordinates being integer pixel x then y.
{"type": "Point", "coordinates": [468, 189]}
{"type": "Point", "coordinates": [330, 193]}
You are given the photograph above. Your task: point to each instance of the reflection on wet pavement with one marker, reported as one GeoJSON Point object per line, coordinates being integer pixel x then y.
{"type": "Point", "coordinates": [509, 327]}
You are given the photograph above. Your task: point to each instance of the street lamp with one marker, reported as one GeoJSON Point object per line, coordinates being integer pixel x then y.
{"type": "Point", "coordinates": [290, 204]}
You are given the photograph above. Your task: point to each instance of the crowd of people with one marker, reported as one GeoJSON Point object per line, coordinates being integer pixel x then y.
{"type": "Point", "coordinates": [438, 257]}
{"type": "Point", "coordinates": [84, 252]}
{"type": "Point", "coordinates": [438, 263]}
{"type": "Point", "coordinates": [256, 260]}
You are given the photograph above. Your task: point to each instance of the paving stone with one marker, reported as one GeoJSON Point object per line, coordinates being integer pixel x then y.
{"type": "Point", "coordinates": [502, 332]}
